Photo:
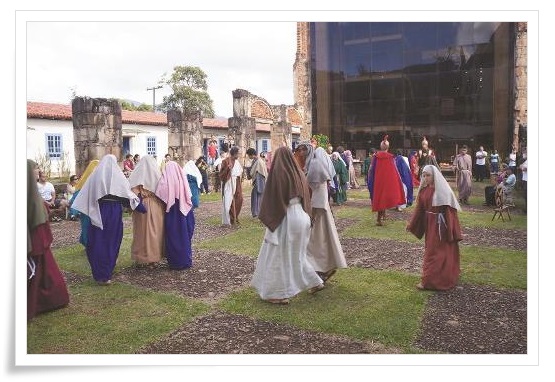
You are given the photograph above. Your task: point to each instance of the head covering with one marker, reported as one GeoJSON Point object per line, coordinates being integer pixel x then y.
{"type": "Point", "coordinates": [106, 179]}
{"type": "Point", "coordinates": [285, 182]}
{"type": "Point", "coordinates": [309, 154]}
{"type": "Point", "coordinates": [336, 156]}
{"type": "Point", "coordinates": [36, 212]}
{"type": "Point", "coordinates": [384, 145]}
{"type": "Point", "coordinates": [191, 168]}
{"type": "Point", "coordinates": [146, 174]}
{"type": "Point", "coordinates": [88, 171]}
{"type": "Point", "coordinates": [259, 166]}
{"type": "Point", "coordinates": [321, 167]}
{"type": "Point", "coordinates": [174, 185]}
{"type": "Point", "coordinates": [443, 194]}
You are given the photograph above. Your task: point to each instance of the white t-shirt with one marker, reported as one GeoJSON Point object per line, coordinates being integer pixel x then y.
{"type": "Point", "coordinates": [481, 157]}
{"type": "Point", "coordinates": [46, 190]}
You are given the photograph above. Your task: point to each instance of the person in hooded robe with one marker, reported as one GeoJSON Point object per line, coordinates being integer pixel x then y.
{"type": "Point", "coordinates": [258, 173]}
{"type": "Point", "coordinates": [46, 286]}
{"type": "Point", "coordinates": [102, 198]}
{"type": "Point", "coordinates": [325, 252]}
{"type": "Point", "coordinates": [84, 220]}
{"type": "Point", "coordinates": [282, 268]}
{"type": "Point", "coordinates": [179, 219]}
{"type": "Point", "coordinates": [147, 247]}
{"type": "Point", "coordinates": [340, 180]}
{"type": "Point", "coordinates": [436, 219]}
{"type": "Point", "coordinates": [384, 183]}
{"type": "Point", "coordinates": [194, 177]}
{"type": "Point", "coordinates": [353, 182]}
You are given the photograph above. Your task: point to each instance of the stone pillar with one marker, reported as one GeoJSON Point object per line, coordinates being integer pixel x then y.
{"type": "Point", "coordinates": [521, 82]}
{"type": "Point", "coordinates": [96, 130]}
{"type": "Point", "coordinates": [184, 136]}
{"type": "Point", "coordinates": [301, 76]}
{"type": "Point", "coordinates": [242, 128]}
{"type": "Point", "coordinates": [281, 132]}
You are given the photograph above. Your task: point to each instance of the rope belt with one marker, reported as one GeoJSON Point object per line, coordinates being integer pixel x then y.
{"type": "Point", "coordinates": [440, 220]}
{"type": "Point", "coordinates": [32, 266]}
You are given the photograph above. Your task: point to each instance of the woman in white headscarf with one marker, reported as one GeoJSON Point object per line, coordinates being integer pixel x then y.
{"type": "Point", "coordinates": [102, 198]}
{"type": "Point", "coordinates": [148, 229]}
{"type": "Point", "coordinates": [435, 216]}
{"type": "Point", "coordinates": [353, 183]}
{"type": "Point", "coordinates": [325, 252]}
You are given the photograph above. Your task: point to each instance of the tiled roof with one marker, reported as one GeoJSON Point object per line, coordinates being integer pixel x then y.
{"type": "Point", "coordinates": [57, 111]}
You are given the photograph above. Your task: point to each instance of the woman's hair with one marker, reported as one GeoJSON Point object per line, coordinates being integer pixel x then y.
{"type": "Point", "coordinates": [234, 150]}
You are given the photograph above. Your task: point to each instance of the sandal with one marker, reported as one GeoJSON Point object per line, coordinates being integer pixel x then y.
{"type": "Point", "coordinates": [420, 286]}
{"type": "Point", "coordinates": [326, 275]}
{"type": "Point", "coordinates": [278, 301]}
{"type": "Point", "coordinates": [315, 289]}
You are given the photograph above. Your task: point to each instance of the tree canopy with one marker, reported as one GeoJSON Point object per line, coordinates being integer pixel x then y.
{"type": "Point", "coordinates": [126, 105]}
{"type": "Point", "coordinates": [189, 91]}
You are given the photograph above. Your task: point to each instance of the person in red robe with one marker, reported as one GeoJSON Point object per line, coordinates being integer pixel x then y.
{"type": "Point", "coordinates": [414, 170]}
{"type": "Point", "coordinates": [384, 182]}
{"type": "Point", "coordinates": [436, 218]}
{"type": "Point", "coordinates": [46, 286]}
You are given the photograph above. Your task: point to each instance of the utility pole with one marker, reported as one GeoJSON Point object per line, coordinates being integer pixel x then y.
{"type": "Point", "coordinates": [154, 96]}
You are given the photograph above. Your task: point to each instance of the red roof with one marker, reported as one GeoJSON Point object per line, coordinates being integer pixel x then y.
{"type": "Point", "coordinates": [57, 111]}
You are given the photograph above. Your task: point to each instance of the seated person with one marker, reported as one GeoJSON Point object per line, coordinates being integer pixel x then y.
{"type": "Point", "coordinates": [48, 194]}
{"type": "Point", "coordinates": [509, 185]}
{"type": "Point", "coordinates": [70, 190]}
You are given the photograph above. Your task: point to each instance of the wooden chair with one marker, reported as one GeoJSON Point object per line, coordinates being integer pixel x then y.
{"type": "Point", "coordinates": [501, 207]}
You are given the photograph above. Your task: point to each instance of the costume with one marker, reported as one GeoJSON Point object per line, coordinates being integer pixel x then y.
{"type": "Point", "coordinates": [426, 156]}
{"type": "Point", "coordinates": [406, 178]}
{"type": "Point", "coordinates": [463, 175]}
{"type": "Point", "coordinates": [84, 219]}
{"type": "Point", "coordinates": [102, 198]}
{"type": "Point", "coordinates": [232, 190]}
{"type": "Point", "coordinates": [414, 170]}
{"type": "Point", "coordinates": [436, 217]}
{"type": "Point", "coordinates": [258, 173]}
{"type": "Point", "coordinates": [353, 183]}
{"type": "Point", "coordinates": [148, 228]}
{"type": "Point", "coordinates": [46, 286]}
{"type": "Point", "coordinates": [324, 250]}
{"type": "Point", "coordinates": [341, 179]}
{"type": "Point", "coordinates": [282, 269]}
{"type": "Point", "coordinates": [384, 182]}
{"type": "Point", "coordinates": [179, 219]}
{"type": "Point", "coordinates": [194, 177]}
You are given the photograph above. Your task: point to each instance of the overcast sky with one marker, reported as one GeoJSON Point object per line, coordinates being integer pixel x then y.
{"type": "Point", "coordinates": [123, 59]}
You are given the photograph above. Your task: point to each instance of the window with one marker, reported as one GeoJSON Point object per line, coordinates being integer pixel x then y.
{"type": "Point", "coordinates": [151, 146]}
{"type": "Point", "coordinates": [54, 145]}
{"type": "Point", "coordinates": [264, 145]}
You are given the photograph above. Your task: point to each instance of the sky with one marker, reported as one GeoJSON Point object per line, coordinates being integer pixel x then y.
{"type": "Point", "coordinates": [122, 59]}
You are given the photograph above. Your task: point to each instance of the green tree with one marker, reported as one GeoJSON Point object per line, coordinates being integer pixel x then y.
{"type": "Point", "coordinates": [126, 105]}
{"type": "Point", "coordinates": [189, 91]}
{"type": "Point", "coordinates": [323, 140]}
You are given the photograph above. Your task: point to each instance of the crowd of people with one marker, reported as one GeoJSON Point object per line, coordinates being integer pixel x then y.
{"type": "Point", "coordinates": [300, 249]}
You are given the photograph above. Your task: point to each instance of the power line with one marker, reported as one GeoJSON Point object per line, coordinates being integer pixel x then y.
{"type": "Point", "coordinates": [154, 96]}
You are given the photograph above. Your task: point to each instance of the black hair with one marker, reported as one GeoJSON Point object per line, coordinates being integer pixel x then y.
{"type": "Point", "coordinates": [234, 150]}
{"type": "Point", "coordinates": [251, 151]}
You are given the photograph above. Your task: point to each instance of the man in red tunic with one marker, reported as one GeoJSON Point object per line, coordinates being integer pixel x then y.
{"type": "Point", "coordinates": [384, 182]}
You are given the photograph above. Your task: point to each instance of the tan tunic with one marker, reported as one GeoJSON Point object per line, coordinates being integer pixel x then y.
{"type": "Point", "coordinates": [148, 230]}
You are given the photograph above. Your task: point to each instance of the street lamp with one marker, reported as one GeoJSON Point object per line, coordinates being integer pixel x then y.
{"type": "Point", "coordinates": [154, 96]}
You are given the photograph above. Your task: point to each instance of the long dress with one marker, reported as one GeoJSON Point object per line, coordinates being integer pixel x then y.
{"type": "Point", "coordinates": [232, 191]}
{"type": "Point", "coordinates": [46, 289]}
{"type": "Point", "coordinates": [103, 244]}
{"type": "Point", "coordinates": [179, 230]}
{"type": "Point", "coordinates": [148, 229]}
{"type": "Point", "coordinates": [324, 248]}
{"type": "Point", "coordinates": [463, 175]}
{"type": "Point", "coordinates": [341, 181]}
{"type": "Point", "coordinates": [440, 225]}
{"type": "Point", "coordinates": [281, 269]}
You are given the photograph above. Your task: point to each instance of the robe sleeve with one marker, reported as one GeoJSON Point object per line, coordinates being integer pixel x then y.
{"type": "Point", "coordinates": [454, 232]}
{"type": "Point", "coordinates": [417, 223]}
{"type": "Point", "coordinates": [225, 171]}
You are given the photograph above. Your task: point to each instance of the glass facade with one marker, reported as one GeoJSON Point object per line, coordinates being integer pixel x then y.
{"type": "Point", "coordinates": [450, 82]}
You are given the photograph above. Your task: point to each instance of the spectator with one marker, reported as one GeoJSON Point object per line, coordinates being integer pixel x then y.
{"type": "Point", "coordinates": [509, 185]}
{"type": "Point", "coordinates": [70, 190]}
{"type": "Point", "coordinates": [524, 171]}
{"type": "Point", "coordinates": [48, 194]}
{"type": "Point", "coordinates": [128, 165]}
{"type": "Point", "coordinates": [494, 162]}
{"type": "Point", "coordinates": [136, 159]}
{"type": "Point", "coordinates": [212, 152]}
{"type": "Point", "coordinates": [165, 161]}
{"type": "Point", "coordinates": [481, 156]}
{"type": "Point", "coordinates": [203, 168]}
